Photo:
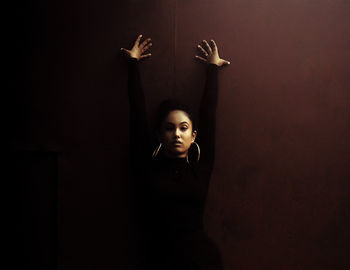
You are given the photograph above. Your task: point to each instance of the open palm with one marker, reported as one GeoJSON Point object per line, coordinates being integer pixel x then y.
{"type": "Point", "coordinates": [211, 55]}
{"type": "Point", "coordinates": [137, 50]}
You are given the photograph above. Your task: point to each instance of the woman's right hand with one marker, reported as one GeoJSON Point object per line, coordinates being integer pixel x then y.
{"type": "Point", "coordinates": [138, 50]}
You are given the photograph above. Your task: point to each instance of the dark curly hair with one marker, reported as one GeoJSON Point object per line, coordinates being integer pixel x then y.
{"type": "Point", "coordinates": [169, 105]}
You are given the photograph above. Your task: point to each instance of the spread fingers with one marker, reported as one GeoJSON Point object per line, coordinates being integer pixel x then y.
{"type": "Point", "coordinates": [203, 51]}
{"type": "Point", "coordinates": [143, 44]}
{"type": "Point", "coordinates": [137, 42]}
{"type": "Point", "coordinates": [209, 48]}
{"type": "Point", "coordinates": [214, 44]}
{"type": "Point", "coordinates": [146, 47]}
{"type": "Point", "coordinates": [200, 58]}
{"type": "Point", "coordinates": [146, 55]}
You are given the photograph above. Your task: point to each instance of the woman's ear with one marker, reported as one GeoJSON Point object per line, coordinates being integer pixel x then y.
{"type": "Point", "coordinates": [194, 135]}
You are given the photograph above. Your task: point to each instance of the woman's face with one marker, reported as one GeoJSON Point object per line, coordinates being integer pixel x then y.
{"type": "Point", "coordinates": [176, 134]}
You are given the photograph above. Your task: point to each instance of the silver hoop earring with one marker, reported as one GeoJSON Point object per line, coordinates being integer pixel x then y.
{"type": "Point", "coordinates": [156, 151]}
{"type": "Point", "coordinates": [198, 153]}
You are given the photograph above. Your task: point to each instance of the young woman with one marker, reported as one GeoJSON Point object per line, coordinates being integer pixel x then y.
{"type": "Point", "coordinates": [172, 176]}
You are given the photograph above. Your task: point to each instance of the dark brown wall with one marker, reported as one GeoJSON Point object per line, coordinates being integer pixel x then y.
{"type": "Point", "coordinates": [280, 192]}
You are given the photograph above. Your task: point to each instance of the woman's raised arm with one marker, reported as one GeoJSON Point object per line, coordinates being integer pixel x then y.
{"type": "Point", "coordinates": [208, 105]}
{"type": "Point", "coordinates": [139, 133]}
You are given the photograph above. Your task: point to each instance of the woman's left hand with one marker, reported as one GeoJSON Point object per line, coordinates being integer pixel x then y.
{"type": "Point", "coordinates": [211, 54]}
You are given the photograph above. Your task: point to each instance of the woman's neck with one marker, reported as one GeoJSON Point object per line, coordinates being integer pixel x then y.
{"type": "Point", "coordinates": [173, 155]}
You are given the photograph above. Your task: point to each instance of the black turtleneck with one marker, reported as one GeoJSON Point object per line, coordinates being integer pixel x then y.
{"type": "Point", "coordinates": [170, 192]}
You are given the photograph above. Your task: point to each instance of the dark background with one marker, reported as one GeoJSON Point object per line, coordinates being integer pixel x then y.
{"type": "Point", "coordinates": [280, 192]}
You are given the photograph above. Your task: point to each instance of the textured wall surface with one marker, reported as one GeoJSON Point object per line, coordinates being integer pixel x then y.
{"type": "Point", "coordinates": [280, 192]}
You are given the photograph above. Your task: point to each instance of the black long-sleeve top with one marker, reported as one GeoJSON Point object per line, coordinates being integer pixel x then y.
{"type": "Point", "coordinates": [171, 192]}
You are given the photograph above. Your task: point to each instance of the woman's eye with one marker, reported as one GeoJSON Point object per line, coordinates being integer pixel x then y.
{"type": "Point", "coordinates": [184, 128]}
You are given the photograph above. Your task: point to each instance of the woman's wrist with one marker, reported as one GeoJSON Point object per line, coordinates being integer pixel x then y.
{"type": "Point", "coordinates": [212, 63]}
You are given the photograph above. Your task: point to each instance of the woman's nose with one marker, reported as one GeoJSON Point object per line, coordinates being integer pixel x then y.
{"type": "Point", "coordinates": [177, 133]}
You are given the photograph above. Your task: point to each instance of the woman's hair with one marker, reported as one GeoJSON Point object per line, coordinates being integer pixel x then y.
{"type": "Point", "coordinates": [169, 105]}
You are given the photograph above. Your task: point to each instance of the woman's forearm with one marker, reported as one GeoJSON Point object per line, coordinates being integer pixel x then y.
{"type": "Point", "coordinates": [207, 115]}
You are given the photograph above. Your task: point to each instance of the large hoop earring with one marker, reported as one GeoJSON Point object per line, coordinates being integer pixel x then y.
{"type": "Point", "coordinates": [156, 151]}
{"type": "Point", "coordinates": [198, 153]}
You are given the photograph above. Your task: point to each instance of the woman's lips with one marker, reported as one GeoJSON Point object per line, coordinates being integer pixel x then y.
{"type": "Point", "coordinates": [177, 143]}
